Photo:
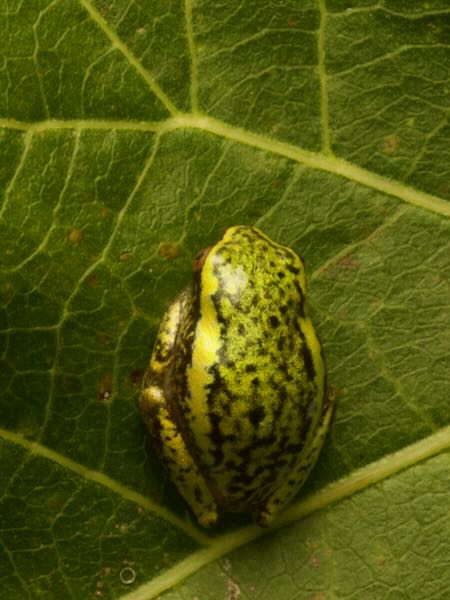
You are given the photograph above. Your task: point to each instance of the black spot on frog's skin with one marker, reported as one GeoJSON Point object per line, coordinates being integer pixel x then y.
{"type": "Point", "coordinates": [281, 274]}
{"type": "Point", "coordinates": [256, 415]}
{"type": "Point", "coordinates": [301, 308]}
{"type": "Point", "coordinates": [250, 368]}
{"type": "Point", "coordinates": [301, 298]}
{"type": "Point", "coordinates": [283, 309]}
{"type": "Point", "coordinates": [217, 438]}
{"type": "Point", "coordinates": [262, 350]}
{"type": "Point", "coordinates": [198, 494]}
{"type": "Point", "coordinates": [217, 385]}
{"type": "Point", "coordinates": [255, 381]}
{"type": "Point", "coordinates": [278, 409]}
{"type": "Point", "coordinates": [161, 353]}
{"type": "Point", "coordinates": [274, 321]}
{"type": "Point", "coordinates": [245, 479]}
{"type": "Point", "coordinates": [226, 407]}
{"type": "Point", "coordinates": [258, 471]}
{"type": "Point", "coordinates": [293, 269]}
{"type": "Point", "coordinates": [234, 488]}
{"type": "Point", "coordinates": [308, 361]}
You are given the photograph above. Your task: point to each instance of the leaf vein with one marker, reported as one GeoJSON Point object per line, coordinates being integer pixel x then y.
{"type": "Point", "coordinates": [314, 160]}
{"type": "Point", "coordinates": [192, 54]}
{"type": "Point", "coordinates": [123, 48]}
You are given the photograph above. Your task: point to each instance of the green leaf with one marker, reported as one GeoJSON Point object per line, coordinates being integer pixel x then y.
{"type": "Point", "coordinates": [131, 135]}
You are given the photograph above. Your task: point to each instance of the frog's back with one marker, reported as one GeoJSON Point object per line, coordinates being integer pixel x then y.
{"type": "Point", "coordinates": [257, 373]}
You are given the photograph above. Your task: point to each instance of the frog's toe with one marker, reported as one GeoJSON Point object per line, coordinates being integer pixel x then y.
{"type": "Point", "coordinates": [207, 518]}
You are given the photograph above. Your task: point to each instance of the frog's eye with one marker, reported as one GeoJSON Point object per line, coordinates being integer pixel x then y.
{"type": "Point", "coordinates": [199, 260]}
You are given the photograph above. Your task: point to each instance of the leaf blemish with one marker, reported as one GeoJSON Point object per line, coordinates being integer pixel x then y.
{"type": "Point", "coordinates": [168, 250]}
{"type": "Point", "coordinates": [136, 376]}
{"type": "Point", "coordinates": [125, 256]}
{"type": "Point", "coordinates": [105, 390]}
{"type": "Point", "coordinates": [75, 236]}
{"type": "Point", "coordinates": [390, 143]}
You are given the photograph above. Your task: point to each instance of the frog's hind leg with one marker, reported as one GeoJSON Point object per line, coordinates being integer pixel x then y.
{"type": "Point", "coordinates": [164, 429]}
{"type": "Point", "coordinates": [171, 449]}
{"type": "Point", "coordinates": [284, 494]}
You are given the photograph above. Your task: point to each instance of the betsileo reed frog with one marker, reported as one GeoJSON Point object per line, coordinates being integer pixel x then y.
{"type": "Point", "coordinates": [235, 396]}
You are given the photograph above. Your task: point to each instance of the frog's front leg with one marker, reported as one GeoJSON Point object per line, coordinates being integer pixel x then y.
{"type": "Point", "coordinates": [163, 427]}
{"type": "Point", "coordinates": [284, 494]}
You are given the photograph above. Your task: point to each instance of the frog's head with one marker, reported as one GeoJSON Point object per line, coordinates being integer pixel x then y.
{"type": "Point", "coordinates": [243, 268]}
{"type": "Point", "coordinates": [266, 263]}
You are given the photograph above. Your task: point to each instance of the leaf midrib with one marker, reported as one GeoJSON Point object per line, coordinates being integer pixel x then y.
{"type": "Point", "coordinates": [375, 472]}
{"type": "Point", "coordinates": [315, 160]}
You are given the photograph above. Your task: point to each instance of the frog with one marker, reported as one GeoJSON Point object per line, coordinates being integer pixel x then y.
{"type": "Point", "coordinates": [235, 396]}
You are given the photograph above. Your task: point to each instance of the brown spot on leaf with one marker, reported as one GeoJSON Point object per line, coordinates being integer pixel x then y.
{"type": "Point", "coordinates": [93, 281]}
{"type": "Point", "coordinates": [376, 303]}
{"type": "Point", "coordinates": [276, 184]}
{"type": "Point", "coordinates": [137, 376]}
{"type": "Point", "coordinates": [75, 236]}
{"type": "Point", "coordinates": [72, 384]}
{"type": "Point", "coordinates": [390, 143]}
{"type": "Point", "coordinates": [169, 249]}
{"type": "Point", "coordinates": [349, 263]}
{"type": "Point", "coordinates": [125, 256]}
{"type": "Point", "coordinates": [104, 338]}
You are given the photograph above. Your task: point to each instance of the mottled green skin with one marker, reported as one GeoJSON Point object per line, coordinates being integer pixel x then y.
{"type": "Point", "coordinates": [234, 397]}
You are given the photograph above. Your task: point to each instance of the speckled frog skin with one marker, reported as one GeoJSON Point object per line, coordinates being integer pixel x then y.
{"type": "Point", "coordinates": [234, 397]}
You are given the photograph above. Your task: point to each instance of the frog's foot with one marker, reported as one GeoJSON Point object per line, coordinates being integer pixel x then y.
{"type": "Point", "coordinates": [207, 519]}
{"type": "Point", "coordinates": [176, 457]}
{"type": "Point", "coordinates": [284, 494]}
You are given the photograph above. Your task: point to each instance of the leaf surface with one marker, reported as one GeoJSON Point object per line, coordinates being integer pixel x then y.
{"type": "Point", "coordinates": [131, 135]}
